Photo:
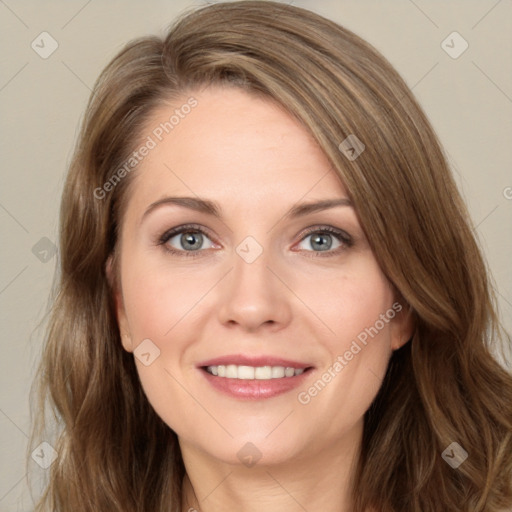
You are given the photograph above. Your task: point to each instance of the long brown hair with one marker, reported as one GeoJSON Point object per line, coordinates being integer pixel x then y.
{"type": "Point", "coordinates": [444, 386]}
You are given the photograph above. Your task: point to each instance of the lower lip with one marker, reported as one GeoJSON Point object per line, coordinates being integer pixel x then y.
{"type": "Point", "coordinates": [255, 389]}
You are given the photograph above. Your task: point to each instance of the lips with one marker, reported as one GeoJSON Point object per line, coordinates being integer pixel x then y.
{"type": "Point", "coordinates": [254, 377]}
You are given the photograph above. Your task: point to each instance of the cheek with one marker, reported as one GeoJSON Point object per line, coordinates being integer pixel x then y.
{"type": "Point", "coordinates": [352, 302]}
{"type": "Point", "coordinates": [158, 305]}
{"type": "Point", "coordinates": [358, 309]}
{"type": "Point", "coordinates": [156, 299]}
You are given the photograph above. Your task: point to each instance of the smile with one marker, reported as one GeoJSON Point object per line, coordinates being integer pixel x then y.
{"type": "Point", "coordinates": [245, 382]}
{"type": "Point", "coordinates": [233, 371]}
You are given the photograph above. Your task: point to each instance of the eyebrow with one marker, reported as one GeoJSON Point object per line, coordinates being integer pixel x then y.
{"type": "Point", "coordinates": [212, 208]}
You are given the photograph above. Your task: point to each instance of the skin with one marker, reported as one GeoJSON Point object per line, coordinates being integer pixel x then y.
{"type": "Point", "coordinates": [294, 301]}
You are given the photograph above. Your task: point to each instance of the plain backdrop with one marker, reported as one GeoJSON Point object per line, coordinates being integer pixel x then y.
{"type": "Point", "coordinates": [468, 100]}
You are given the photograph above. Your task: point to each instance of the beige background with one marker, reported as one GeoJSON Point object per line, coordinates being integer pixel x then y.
{"type": "Point", "coordinates": [468, 99]}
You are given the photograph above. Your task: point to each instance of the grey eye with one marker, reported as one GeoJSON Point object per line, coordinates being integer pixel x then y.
{"type": "Point", "coordinates": [319, 242]}
{"type": "Point", "coordinates": [188, 241]}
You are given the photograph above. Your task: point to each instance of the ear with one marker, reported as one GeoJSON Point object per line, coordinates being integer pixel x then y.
{"type": "Point", "coordinates": [122, 322]}
{"type": "Point", "coordinates": [402, 326]}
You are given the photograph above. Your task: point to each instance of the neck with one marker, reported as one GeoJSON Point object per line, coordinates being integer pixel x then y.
{"type": "Point", "coordinates": [321, 481]}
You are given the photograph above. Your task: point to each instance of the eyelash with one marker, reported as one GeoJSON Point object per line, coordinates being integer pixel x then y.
{"type": "Point", "coordinates": [185, 228]}
{"type": "Point", "coordinates": [344, 238]}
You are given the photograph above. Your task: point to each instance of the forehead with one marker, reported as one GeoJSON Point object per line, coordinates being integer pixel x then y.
{"type": "Point", "coordinates": [233, 147]}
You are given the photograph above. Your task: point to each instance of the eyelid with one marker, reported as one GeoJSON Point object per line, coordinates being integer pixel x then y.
{"type": "Point", "coordinates": [183, 228]}
{"type": "Point", "coordinates": [341, 235]}
{"type": "Point", "coordinates": [321, 228]}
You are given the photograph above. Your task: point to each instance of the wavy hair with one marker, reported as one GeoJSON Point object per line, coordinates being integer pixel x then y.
{"type": "Point", "coordinates": [445, 385]}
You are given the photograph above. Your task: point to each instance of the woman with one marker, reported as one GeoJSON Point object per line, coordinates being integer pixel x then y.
{"type": "Point", "coordinates": [270, 294]}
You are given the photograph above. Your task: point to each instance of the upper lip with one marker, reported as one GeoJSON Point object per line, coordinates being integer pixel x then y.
{"type": "Point", "coordinates": [256, 361]}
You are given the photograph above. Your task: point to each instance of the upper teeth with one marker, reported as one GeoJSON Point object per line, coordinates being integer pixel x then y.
{"type": "Point", "coordinates": [232, 371]}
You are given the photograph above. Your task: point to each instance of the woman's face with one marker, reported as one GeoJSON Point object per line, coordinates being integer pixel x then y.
{"type": "Point", "coordinates": [240, 251]}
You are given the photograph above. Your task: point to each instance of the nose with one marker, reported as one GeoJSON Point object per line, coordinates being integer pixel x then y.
{"type": "Point", "coordinates": [253, 298]}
